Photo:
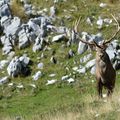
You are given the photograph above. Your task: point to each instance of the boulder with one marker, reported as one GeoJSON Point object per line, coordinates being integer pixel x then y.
{"type": "Point", "coordinates": [14, 27]}
{"type": "Point", "coordinates": [14, 68]}
{"type": "Point", "coordinates": [70, 53]}
{"type": "Point", "coordinates": [103, 5]}
{"type": "Point", "coordinates": [19, 66]}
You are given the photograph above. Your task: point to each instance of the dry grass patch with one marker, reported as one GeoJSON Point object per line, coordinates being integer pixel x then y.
{"type": "Point", "coordinates": [18, 10]}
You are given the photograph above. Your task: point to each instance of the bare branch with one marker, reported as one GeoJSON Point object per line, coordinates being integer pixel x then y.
{"type": "Point", "coordinates": [118, 30]}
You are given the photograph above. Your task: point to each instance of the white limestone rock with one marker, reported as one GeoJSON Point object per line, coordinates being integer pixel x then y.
{"type": "Point", "coordinates": [23, 39]}
{"type": "Point", "coordinates": [58, 38]}
{"type": "Point", "coordinates": [92, 71]}
{"type": "Point", "coordinates": [40, 66]}
{"type": "Point", "coordinates": [71, 80]}
{"type": "Point", "coordinates": [50, 82]}
{"type": "Point", "coordinates": [65, 77]}
{"type": "Point", "coordinates": [86, 58]}
{"type": "Point", "coordinates": [90, 64]}
{"type": "Point", "coordinates": [37, 75]}
{"type": "Point", "coordinates": [81, 70]}
{"type": "Point", "coordinates": [4, 80]}
{"type": "Point", "coordinates": [14, 27]}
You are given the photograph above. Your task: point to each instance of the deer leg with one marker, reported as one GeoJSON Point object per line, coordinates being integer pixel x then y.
{"type": "Point", "coordinates": [110, 91]}
{"type": "Point", "coordinates": [99, 88]}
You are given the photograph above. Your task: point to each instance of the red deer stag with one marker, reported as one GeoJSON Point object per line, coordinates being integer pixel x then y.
{"type": "Point", "coordinates": [105, 73]}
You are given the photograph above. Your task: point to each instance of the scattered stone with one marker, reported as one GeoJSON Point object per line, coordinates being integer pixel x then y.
{"type": "Point", "coordinates": [65, 77]}
{"type": "Point", "coordinates": [82, 70]}
{"type": "Point", "coordinates": [100, 22]}
{"type": "Point", "coordinates": [10, 84]}
{"type": "Point", "coordinates": [33, 85]}
{"type": "Point", "coordinates": [20, 86]}
{"type": "Point", "coordinates": [50, 82]}
{"type": "Point", "coordinates": [103, 5]}
{"type": "Point", "coordinates": [52, 75]}
{"type": "Point", "coordinates": [89, 21]}
{"type": "Point", "coordinates": [71, 80]}
{"type": "Point", "coordinates": [37, 75]}
{"type": "Point", "coordinates": [40, 66]}
{"type": "Point", "coordinates": [75, 68]}
{"type": "Point", "coordinates": [86, 58]}
{"type": "Point", "coordinates": [82, 47]}
{"type": "Point", "coordinates": [18, 66]}
{"type": "Point", "coordinates": [4, 80]}
{"type": "Point", "coordinates": [71, 53]}
{"type": "Point", "coordinates": [59, 38]}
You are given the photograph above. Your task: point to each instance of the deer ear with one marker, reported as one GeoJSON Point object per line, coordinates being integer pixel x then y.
{"type": "Point", "coordinates": [93, 48]}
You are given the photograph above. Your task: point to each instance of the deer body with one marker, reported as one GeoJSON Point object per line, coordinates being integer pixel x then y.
{"type": "Point", "coordinates": [105, 73]}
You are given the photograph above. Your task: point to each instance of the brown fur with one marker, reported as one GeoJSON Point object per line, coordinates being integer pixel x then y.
{"type": "Point", "coordinates": [105, 73]}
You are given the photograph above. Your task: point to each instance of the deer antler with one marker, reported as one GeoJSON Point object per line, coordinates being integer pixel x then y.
{"type": "Point", "coordinates": [76, 30]}
{"type": "Point", "coordinates": [113, 36]}
{"type": "Point", "coordinates": [76, 24]}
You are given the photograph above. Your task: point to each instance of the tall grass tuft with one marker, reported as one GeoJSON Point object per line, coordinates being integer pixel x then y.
{"type": "Point", "coordinates": [18, 10]}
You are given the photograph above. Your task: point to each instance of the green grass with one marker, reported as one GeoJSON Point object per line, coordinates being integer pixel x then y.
{"type": "Point", "coordinates": [61, 101]}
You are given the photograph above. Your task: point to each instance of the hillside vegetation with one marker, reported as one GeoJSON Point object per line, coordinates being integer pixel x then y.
{"type": "Point", "coordinates": [62, 100]}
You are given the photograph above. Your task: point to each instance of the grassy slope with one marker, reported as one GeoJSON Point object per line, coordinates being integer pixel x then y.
{"type": "Point", "coordinates": [61, 97]}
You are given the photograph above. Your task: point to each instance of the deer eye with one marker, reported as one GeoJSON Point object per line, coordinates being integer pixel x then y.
{"type": "Point", "coordinates": [101, 55]}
